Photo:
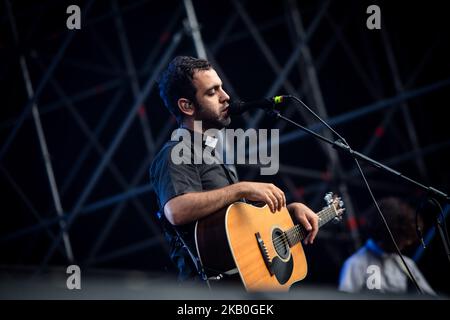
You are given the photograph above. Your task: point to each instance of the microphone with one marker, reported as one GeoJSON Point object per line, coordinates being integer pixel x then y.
{"type": "Point", "coordinates": [239, 107]}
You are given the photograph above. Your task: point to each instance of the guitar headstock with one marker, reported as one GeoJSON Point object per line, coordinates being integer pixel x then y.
{"type": "Point", "coordinates": [335, 202]}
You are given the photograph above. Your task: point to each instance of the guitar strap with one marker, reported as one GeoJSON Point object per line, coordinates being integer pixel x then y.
{"type": "Point", "coordinates": [194, 258]}
{"type": "Point", "coordinates": [232, 178]}
{"type": "Point", "coordinates": [228, 170]}
{"type": "Point", "coordinates": [173, 234]}
{"type": "Point", "coordinates": [199, 266]}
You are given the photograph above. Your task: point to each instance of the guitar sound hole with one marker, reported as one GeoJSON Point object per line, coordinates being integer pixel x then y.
{"type": "Point", "coordinates": [280, 244]}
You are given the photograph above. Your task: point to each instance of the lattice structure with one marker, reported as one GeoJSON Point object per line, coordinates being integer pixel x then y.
{"type": "Point", "coordinates": [82, 119]}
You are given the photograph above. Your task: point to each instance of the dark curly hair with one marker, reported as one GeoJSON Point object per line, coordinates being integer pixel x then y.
{"type": "Point", "coordinates": [400, 217]}
{"type": "Point", "coordinates": [176, 82]}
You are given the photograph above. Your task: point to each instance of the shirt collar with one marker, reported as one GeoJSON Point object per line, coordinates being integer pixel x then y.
{"type": "Point", "coordinates": [374, 248]}
{"type": "Point", "coordinates": [207, 141]}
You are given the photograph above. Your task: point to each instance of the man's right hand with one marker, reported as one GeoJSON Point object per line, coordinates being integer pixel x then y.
{"type": "Point", "coordinates": [265, 192]}
{"type": "Point", "coordinates": [191, 206]}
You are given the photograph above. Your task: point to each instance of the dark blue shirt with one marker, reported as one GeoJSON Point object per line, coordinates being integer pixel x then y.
{"type": "Point", "coordinates": [170, 180]}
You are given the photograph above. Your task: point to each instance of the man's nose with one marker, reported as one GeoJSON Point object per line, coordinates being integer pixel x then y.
{"type": "Point", "coordinates": [225, 96]}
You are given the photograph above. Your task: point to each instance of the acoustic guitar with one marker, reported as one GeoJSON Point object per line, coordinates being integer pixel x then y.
{"type": "Point", "coordinates": [263, 247]}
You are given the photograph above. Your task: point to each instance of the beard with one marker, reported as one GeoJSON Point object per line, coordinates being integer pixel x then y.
{"type": "Point", "coordinates": [210, 119]}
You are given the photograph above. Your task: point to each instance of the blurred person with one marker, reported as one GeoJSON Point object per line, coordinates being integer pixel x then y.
{"type": "Point", "coordinates": [376, 266]}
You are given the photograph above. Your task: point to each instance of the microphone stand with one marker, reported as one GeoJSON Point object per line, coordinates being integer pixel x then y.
{"type": "Point", "coordinates": [342, 146]}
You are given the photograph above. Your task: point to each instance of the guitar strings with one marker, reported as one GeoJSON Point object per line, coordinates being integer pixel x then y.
{"type": "Point", "coordinates": [282, 240]}
{"type": "Point", "coordinates": [323, 212]}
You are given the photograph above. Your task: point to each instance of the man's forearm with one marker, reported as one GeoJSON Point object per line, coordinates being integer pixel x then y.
{"type": "Point", "coordinates": [193, 206]}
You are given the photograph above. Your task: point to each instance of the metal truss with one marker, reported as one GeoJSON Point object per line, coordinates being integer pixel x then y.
{"type": "Point", "coordinates": [139, 79]}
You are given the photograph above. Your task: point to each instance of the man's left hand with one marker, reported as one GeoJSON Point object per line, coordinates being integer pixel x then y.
{"type": "Point", "coordinates": [307, 218]}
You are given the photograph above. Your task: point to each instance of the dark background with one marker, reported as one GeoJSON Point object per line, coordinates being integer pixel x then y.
{"type": "Point", "coordinates": [90, 92]}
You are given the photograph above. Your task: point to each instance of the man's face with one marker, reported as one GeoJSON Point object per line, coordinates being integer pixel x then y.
{"type": "Point", "coordinates": [212, 100]}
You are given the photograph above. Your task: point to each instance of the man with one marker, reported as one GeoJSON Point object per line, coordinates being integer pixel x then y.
{"type": "Point", "coordinates": [192, 91]}
{"type": "Point", "coordinates": [376, 267]}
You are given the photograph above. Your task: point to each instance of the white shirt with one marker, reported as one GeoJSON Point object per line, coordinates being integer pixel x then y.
{"type": "Point", "coordinates": [370, 268]}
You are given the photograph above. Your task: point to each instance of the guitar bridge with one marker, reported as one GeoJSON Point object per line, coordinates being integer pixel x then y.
{"type": "Point", "coordinates": [264, 253]}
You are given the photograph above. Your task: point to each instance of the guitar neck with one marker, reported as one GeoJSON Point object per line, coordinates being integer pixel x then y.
{"type": "Point", "coordinates": [297, 233]}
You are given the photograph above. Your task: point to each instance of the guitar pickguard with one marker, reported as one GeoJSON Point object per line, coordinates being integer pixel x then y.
{"type": "Point", "coordinates": [282, 269]}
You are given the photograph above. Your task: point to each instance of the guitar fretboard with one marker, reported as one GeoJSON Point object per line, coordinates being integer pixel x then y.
{"type": "Point", "coordinates": [297, 233]}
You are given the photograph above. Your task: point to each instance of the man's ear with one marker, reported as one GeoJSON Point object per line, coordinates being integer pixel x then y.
{"type": "Point", "coordinates": [186, 106]}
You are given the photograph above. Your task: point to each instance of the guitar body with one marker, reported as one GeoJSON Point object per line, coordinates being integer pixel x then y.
{"type": "Point", "coordinates": [249, 238]}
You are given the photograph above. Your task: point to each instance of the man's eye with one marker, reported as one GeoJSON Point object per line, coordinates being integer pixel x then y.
{"type": "Point", "coordinates": [211, 93]}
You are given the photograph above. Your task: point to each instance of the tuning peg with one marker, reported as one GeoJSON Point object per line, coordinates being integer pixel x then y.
{"type": "Point", "coordinates": [341, 204]}
{"type": "Point", "coordinates": [329, 197]}
{"type": "Point", "coordinates": [337, 219]}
